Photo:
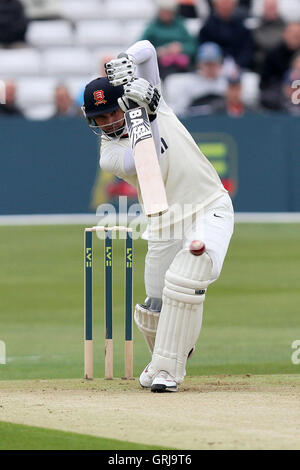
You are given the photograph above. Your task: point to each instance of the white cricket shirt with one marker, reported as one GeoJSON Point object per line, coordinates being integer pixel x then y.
{"type": "Point", "coordinates": [191, 181]}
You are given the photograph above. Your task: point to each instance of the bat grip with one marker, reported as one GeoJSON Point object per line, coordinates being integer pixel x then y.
{"type": "Point", "coordinates": [132, 104]}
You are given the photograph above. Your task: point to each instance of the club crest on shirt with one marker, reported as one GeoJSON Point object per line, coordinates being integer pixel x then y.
{"type": "Point", "coordinates": [99, 97]}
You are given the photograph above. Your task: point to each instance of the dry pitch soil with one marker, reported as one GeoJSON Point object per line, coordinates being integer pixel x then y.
{"type": "Point", "coordinates": [220, 412]}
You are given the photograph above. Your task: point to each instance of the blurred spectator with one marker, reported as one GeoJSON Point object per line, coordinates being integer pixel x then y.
{"type": "Point", "coordinates": [233, 104]}
{"type": "Point", "coordinates": [175, 46]}
{"type": "Point", "coordinates": [225, 27]}
{"type": "Point", "coordinates": [187, 8]}
{"type": "Point", "coordinates": [243, 7]}
{"type": "Point", "coordinates": [290, 102]}
{"type": "Point", "coordinates": [202, 88]}
{"type": "Point", "coordinates": [108, 188]}
{"type": "Point", "coordinates": [289, 10]}
{"type": "Point", "coordinates": [268, 34]}
{"type": "Point", "coordinates": [296, 63]}
{"type": "Point", "coordinates": [10, 108]}
{"type": "Point", "coordinates": [64, 103]}
{"type": "Point", "coordinates": [119, 187]}
{"type": "Point", "coordinates": [13, 23]}
{"type": "Point", "coordinates": [277, 63]}
{"type": "Point", "coordinates": [193, 8]}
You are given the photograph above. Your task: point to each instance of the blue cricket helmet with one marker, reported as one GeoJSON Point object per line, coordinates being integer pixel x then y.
{"type": "Point", "coordinates": [100, 97]}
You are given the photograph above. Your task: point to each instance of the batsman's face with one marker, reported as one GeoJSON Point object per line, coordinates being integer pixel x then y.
{"type": "Point", "coordinates": [110, 122]}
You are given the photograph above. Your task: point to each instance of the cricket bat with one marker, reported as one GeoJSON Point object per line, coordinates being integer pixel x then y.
{"type": "Point", "coordinates": [146, 162]}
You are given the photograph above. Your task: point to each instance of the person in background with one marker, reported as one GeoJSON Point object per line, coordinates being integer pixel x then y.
{"type": "Point", "coordinates": [233, 104]}
{"type": "Point", "coordinates": [64, 103]}
{"type": "Point", "coordinates": [296, 62]}
{"type": "Point", "coordinates": [10, 107]}
{"type": "Point", "coordinates": [277, 63]}
{"type": "Point", "coordinates": [203, 87]}
{"type": "Point", "coordinates": [289, 10]}
{"type": "Point", "coordinates": [269, 32]}
{"type": "Point", "coordinates": [243, 8]}
{"type": "Point", "coordinates": [225, 27]}
{"type": "Point", "coordinates": [193, 8]}
{"type": "Point", "coordinates": [13, 23]}
{"type": "Point", "coordinates": [174, 45]}
{"type": "Point", "coordinates": [290, 101]}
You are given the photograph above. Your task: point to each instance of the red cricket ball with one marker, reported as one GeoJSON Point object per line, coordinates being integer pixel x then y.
{"type": "Point", "coordinates": [197, 247]}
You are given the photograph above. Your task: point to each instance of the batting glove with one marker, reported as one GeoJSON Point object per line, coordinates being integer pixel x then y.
{"type": "Point", "coordinates": [141, 92]}
{"type": "Point", "coordinates": [120, 71]}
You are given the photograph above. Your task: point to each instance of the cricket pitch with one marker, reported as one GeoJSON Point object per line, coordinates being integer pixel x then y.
{"type": "Point", "coordinates": [217, 412]}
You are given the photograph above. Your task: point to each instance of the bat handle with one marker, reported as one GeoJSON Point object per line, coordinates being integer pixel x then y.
{"type": "Point", "coordinates": [132, 104]}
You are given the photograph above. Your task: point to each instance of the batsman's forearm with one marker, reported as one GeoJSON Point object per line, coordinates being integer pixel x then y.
{"type": "Point", "coordinates": [128, 162]}
{"type": "Point", "coordinates": [141, 51]}
{"type": "Point", "coordinates": [145, 58]}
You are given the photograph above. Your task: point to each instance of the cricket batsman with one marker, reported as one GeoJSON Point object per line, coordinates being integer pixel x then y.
{"type": "Point", "coordinates": [187, 244]}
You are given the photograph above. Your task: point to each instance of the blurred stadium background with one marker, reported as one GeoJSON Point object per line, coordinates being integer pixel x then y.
{"type": "Point", "coordinates": [241, 111]}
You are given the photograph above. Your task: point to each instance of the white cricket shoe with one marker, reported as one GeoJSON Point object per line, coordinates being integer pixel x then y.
{"type": "Point", "coordinates": [163, 382]}
{"type": "Point", "coordinates": [145, 378]}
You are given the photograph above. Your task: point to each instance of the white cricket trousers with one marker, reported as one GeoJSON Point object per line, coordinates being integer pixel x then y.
{"type": "Point", "coordinates": [214, 226]}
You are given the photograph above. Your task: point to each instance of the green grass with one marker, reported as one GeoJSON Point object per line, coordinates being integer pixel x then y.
{"type": "Point", "coordinates": [250, 314]}
{"type": "Point", "coordinates": [20, 437]}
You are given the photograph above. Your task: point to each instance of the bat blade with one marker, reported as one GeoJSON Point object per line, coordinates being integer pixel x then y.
{"type": "Point", "coordinates": [146, 162]}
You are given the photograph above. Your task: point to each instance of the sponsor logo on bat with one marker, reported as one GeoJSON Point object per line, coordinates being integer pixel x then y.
{"type": "Point", "coordinates": [138, 125]}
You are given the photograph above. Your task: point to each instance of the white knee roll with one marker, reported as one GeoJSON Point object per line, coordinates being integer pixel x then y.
{"type": "Point", "coordinates": [185, 290]}
{"type": "Point", "coordinates": [147, 322]}
{"type": "Point", "coordinates": [193, 272]}
{"type": "Point", "coordinates": [183, 296]}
